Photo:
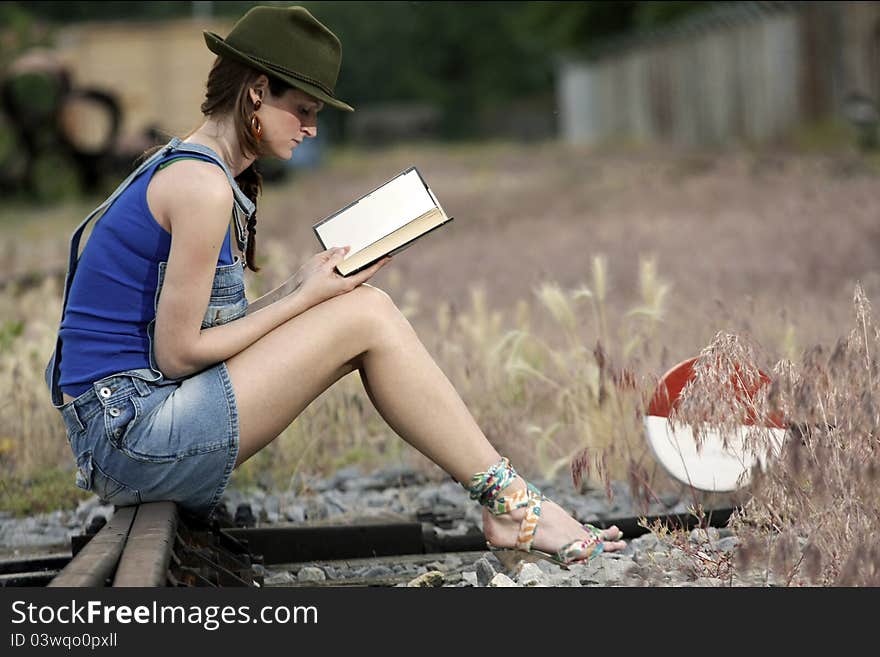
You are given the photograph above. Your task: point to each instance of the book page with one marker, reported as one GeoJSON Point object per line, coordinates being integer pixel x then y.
{"type": "Point", "coordinates": [388, 208]}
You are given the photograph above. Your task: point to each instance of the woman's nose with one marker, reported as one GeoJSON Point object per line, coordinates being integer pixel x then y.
{"type": "Point", "coordinates": [310, 130]}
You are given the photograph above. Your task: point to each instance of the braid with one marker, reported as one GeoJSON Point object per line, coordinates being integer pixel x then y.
{"type": "Point", "coordinates": [251, 182]}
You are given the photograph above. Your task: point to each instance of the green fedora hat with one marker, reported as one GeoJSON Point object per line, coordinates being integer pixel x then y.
{"type": "Point", "coordinates": [287, 43]}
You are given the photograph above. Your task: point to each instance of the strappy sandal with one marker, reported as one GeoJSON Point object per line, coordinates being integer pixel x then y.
{"type": "Point", "coordinates": [486, 487]}
{"type": "Point", "coordinates": [597, 532]}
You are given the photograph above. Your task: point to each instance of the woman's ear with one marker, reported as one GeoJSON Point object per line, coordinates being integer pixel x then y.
{"type": "Point", "coordinates": [259, 89]}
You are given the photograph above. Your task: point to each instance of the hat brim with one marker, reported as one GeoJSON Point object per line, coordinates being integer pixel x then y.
{"type": "Point", "coordinates": [219, 47]}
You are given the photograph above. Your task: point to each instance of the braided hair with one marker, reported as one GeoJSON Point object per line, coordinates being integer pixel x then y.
{"type": "Point", "coordinates": [251, 182]}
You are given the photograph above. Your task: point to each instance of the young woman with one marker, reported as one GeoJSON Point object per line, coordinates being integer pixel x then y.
{"type": "Point", "coordinates": [167, 379]}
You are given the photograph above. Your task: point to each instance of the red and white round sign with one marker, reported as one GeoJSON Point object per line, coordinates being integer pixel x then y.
{"type": "Point", "coordinates": [714, 466]}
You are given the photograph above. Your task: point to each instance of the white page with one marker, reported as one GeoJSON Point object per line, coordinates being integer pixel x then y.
{"type": "Point", "coordinates": [388, 208]}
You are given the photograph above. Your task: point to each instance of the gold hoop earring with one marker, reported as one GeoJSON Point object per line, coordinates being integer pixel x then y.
{"type": "Point", "coordinates": [256, 128]}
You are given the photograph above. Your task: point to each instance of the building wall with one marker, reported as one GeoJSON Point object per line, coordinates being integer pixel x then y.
{"type": "Point", "coordinates": [157, 70]}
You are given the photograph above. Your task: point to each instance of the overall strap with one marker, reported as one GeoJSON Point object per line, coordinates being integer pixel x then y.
{"type": "Point", "coordinates": [242, 208]}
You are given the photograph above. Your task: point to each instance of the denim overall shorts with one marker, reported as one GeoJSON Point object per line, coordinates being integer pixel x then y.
{"type": "Point", "coordinates": [138, 436]}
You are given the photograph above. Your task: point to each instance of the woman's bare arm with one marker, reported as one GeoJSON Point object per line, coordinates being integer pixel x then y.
{"type": "Point", "coordinates": [198, 207]}
{"type": "Point", "coordinates": [287, 287]}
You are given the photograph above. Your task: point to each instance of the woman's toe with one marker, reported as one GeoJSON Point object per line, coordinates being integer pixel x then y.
{"type": "Point", "coordinates": [612, 534]}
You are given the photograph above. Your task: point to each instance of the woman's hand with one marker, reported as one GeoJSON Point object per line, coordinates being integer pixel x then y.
{"type": "Point", "coordinates": [319, 280]}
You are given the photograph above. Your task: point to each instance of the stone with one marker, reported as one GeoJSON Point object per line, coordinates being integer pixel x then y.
{"type": "Point", "coordinates": [502, 581]}
{"type": "Point", "coordinates": [378, 571]}
{"type": "Point", "coordinates": [712, 582]}
{"type": "Point", "coordinates": [357, 484]}
{"type": "Point", "coordinates": [451, 578]}
{"type": "Point", "coordinates": [431, 578]}
{"type": "Point", "coordinates": [295, 513]}
{"type": "Point", "coordinates": [106, 511]}
{"type": "Point", "coordinates": [452, 561]}
{"type": "Point", "coordinates": [531, 575]}
{"type": "Point", "coordinates": [469, 578]}
{"type": "Point", "coordinates": [604, 570]}
{"type": "Point", "coordinates": [279, 579]}
{"type": "Point", "coordinates": [310, 574]}
{"type": "Point", "coordinates": [485, 572]}
{"type": "Point", "coordinates": [547, 567]}
{"type": "Point", "coordinates": [645, 542]}
{"type": "Point", "coordinates": [728, 544]}
{"type": "Point", "coordinates": [84, 507]}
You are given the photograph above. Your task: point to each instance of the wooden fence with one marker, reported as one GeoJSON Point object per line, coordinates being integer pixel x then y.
{"type": "Point", "coordinates": [751, 71]}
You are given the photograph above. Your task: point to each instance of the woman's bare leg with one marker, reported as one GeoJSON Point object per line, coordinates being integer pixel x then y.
{"type": "Point", "coordinates": [278, 376]}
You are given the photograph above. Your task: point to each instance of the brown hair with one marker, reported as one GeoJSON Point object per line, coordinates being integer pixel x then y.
{"type": "Point", "coordinates": [226, 93]}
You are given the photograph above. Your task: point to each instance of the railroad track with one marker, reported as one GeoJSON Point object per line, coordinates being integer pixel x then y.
{"type": "Point", "coordinates": [153, 545]}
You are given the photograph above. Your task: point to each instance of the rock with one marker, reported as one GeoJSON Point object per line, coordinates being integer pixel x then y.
{"type": "Point", "coordinates": [485, 572]}
{"type": "Point", "coordinates": [399, 476]}
{"type": "Point", "coordinates": [502, 581]}
{"type": "Point", "coordinates": [451, 562]}
{"type": "Point", "coordinates": [358, 484]}
{"type": "Point", "coordinates": [436, 565]}
{"type": "Point", "coordinates": [547, 567]}
{"type": "Point", "coordinates": [279, 579]}
{"type": "Point", "coordinates": [106, 511]}
{"type": "Point", "coordinates": [334, 503]}
{"type": "Point", "coordinates": [84, 507]}
{"type": "Point", "coordinates": [531, 575]}
{"type": "Point", "coordinates": [469, 577]}
{"type": "Point", "coordinates": [311, 574]}
{"type": "Point", "coordinates": [378, 571]}
{"type": "Point", "coordinates": [430, 579]}
{"type": "Point", "coordinates": [451, 498]}
{"type": "Point", "coordinates": [708, 582]}
{"type": "Point", "coordinates": [645, 542]}
{"type": "Point", "coordinates": [728, 544]}
{"type": "Point", "coordinates": [562, 578]}
{"type": "Point", "coordinates": [451, 579]}
{"type": "Point", "coordinates": [295, 513]}
{"type": "Point", "coordinates": [604, 570]}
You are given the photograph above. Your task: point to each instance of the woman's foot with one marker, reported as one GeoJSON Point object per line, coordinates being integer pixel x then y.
{"type": "Point", "coordinates": [556, 528]}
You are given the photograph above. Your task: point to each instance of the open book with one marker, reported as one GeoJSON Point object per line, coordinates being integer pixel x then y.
{"type": "Point", "coordinates": [383, 222]}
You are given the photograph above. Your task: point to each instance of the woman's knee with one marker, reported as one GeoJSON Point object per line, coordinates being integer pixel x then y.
{"type": "Point", "coordinates": [377, 307]}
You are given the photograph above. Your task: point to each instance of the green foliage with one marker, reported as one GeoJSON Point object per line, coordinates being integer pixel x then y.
{"type": "Point", "coordinates": [19, 31]}
{"type": "Point", "coordinates": [48, 490]}
{"type": "Point", "coordinates": [10, 329]}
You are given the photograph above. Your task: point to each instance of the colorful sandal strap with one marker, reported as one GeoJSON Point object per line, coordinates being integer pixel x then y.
{"type": "Point", "coordinates": [529, 525]}
{"type": "Point", "coordinates": [487, 486]}
{"type": "Point", "coordinates": [580, 550]}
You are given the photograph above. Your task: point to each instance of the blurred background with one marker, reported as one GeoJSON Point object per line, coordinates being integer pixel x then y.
{"type": "Point", "coordinates": [627, 179]}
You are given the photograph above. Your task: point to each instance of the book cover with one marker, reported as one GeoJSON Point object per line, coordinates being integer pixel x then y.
{"type": "Point", "coordinates": [382, 222]}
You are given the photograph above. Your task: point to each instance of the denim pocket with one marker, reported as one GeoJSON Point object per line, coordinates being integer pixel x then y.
{"type": "Point", "coordinates": [150, 437]}
{"type": "Point", "coordinates": [216, 314]}
{"type": "Point", "coordinates": [89, 476]}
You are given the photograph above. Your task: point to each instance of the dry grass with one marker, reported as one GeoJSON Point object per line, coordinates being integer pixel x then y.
{"type": "Point", "coordinates": [568, 282]}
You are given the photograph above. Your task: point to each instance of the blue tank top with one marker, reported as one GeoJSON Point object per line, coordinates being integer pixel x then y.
{"type": "Point", "coordinates": [111, 299]}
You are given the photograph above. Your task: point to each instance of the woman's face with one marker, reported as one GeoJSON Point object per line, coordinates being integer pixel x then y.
{"type": "Point", "coordinates": [286, 121]}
